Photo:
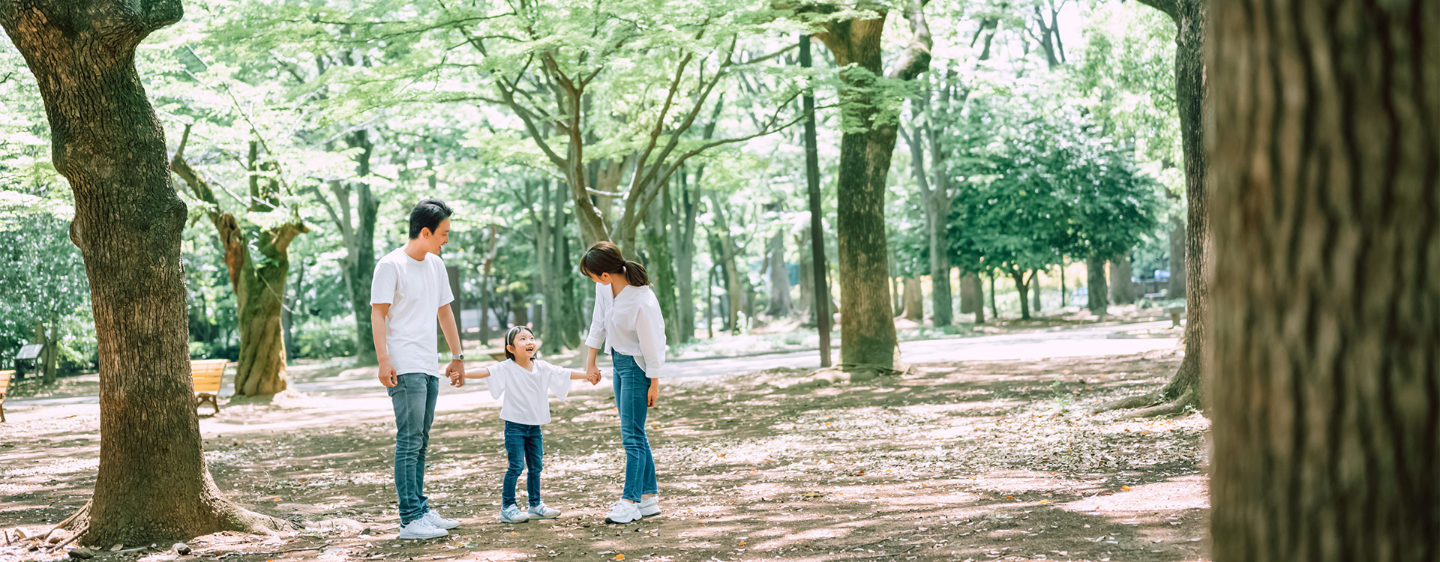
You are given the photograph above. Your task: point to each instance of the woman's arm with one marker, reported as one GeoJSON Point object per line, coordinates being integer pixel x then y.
{"type": "Point", "coordinates": [654, 395]}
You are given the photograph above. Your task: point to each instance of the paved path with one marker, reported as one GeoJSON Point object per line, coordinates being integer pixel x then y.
{"type": "Point", "coordinates": [1056, 342]}
{"type": "Point", "coordinates": [1059, 342]}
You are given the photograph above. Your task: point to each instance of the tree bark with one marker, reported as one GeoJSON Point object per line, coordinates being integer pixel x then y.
{"type": "Point", "coordinates": [779, 278]}
{"type": "Point", "coordinates": [1021, 291]}
{"type": "Point", "coordinates": [152, 483]}
{"type": "Point", "coordinates": [1122, 290]}
{"type": "Point", "coordinates": [1322, 371]}
{"type": "Point", "coordinates": [657, 241]}
{"type": "Point", "coordinates": [1099, 297]}
{"type": "Point", "coordinates": [994, 307]}
{"type": "Point", "coordinates": [727, 254]}
{"type": "Point", "coordinates": [1035, 291]}
{"type": "Point", "coordinates": [685, 258]}
{"type": "Point", "coordinates": [868, 340]}
{"type": "Point", "coordinates": [970, 298]}
{"type": "Point", "coordinates": [914, 300]}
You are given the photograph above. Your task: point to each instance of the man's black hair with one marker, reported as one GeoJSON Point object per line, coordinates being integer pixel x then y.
{"type": "Point", "coordinates": [428, 214]}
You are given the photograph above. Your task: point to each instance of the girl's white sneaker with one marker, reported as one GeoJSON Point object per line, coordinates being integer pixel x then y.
{"type": "Point", "coordinates": [543, 511]}
{"type": "Point", "coordinates": [650, 507]}
{"type": "Point", "coordinates": [623, 512]}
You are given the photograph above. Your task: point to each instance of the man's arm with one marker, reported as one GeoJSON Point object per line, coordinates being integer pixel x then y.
{"type": "Point", "coordinates": [452, 338]}
{"type": "Point", "coordinates": [378, 312]}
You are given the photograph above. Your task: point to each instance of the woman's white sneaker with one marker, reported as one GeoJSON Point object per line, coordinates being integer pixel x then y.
{"type": "Point", "coordinates": [650, 507]}
{"type": "Point", "coordinates": [623, 512]}
{"type": "Point", "coordinates": [422, 529]}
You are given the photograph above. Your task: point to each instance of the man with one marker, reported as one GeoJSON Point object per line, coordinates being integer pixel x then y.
{"type": "Point", "coordinates": [409, 292]}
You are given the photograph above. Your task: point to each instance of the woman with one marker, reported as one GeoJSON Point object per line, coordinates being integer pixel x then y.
{"type": "Point", "coordinates": [627, 319]}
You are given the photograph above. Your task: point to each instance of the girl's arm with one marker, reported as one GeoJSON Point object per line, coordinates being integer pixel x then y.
{"type": "Point", "coordinates": [477, 373]}
{"type": "Point", "coordinates": [594, 377]}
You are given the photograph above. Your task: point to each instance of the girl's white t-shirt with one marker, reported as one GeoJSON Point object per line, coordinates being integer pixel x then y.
{"type": "Point", "coordinates": [526, 392]}
{"type": "Point", "coordinates": [415, 291]}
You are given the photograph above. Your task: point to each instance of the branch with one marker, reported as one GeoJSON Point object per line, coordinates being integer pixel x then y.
{"type": "Point", "coordinates": [916, 58]}
{"type": "Point", "coordinates": [1169, 7]}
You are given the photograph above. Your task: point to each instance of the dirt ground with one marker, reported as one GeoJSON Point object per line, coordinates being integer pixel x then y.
{"type": "Point", "coordinates": [972, 461]}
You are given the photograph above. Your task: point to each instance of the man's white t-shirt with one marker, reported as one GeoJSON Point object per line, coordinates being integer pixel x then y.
{"type": "Point", "coordinates": [415, 291]}
{"type": "Point", "coordinates": [526, 391]}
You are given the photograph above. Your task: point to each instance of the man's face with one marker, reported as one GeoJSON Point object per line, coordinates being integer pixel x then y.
{"type": "Point", "coordinates": [437, 239]}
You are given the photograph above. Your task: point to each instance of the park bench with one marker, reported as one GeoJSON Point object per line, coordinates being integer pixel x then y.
{"type": "Point", "coordinates": [4, 388]}
{"type": "Point", "coordinates": [207, 374]}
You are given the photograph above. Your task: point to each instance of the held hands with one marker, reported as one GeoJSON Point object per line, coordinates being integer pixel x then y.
{"type": "Point", "coordinates": [388, 377]}
{"type": "Point", "coordinates": [593, 377]}
{"type": "Point", "coordinates": [456, 371]}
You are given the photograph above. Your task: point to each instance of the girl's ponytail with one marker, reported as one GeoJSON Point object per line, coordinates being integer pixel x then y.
{"type": "Point", "coordinates": [635, 274]}
{"type": "Point", "coordinates": [604, 257]}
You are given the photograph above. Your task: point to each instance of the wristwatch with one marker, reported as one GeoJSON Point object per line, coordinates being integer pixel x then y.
{"type": "Point", "coordinates": [454, 357]}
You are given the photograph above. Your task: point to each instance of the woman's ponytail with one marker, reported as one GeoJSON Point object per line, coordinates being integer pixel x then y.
{"type": "Point", "coordinates": [635, 274]}
{"type": "Point", "coordinates": [604, 257]}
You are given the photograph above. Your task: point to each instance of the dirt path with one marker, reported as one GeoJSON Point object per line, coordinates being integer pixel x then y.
{"type": "Point", "coordinates": [957, 461]}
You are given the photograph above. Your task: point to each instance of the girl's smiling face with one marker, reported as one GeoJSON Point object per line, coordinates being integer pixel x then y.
{"type": "Point", "coordinates": [524, 345]}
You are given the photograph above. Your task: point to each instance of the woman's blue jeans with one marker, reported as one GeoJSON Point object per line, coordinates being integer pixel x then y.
{"type": "Point", "coordinates": [414, 399]}
{"type": "Point", "coordinates": [526, 449]}
{"type": "Point", "coordinates": [632, 389]}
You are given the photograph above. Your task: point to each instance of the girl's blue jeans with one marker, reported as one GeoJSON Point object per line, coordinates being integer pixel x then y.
{"type": "Point", "coordinates": [632, 388]}
{"type": "Point", "coordinates": [526, 450]}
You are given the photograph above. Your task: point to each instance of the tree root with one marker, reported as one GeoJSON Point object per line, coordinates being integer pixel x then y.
{"type": "Point", "coordinates": [1152, 405]}
{"type": "Point", "coordinates": [1142, 401]}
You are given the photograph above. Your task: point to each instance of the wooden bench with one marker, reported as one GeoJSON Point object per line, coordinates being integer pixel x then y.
{"type": "Point", "coordinates": [208, 374]}
{"type": "Point", "coordinates": [496, 354]}
{"type": "Point", "coordinates": [5, 377]}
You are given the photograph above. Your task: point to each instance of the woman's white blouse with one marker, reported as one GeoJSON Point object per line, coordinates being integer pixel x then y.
{"type": "Point", "coordinates": [630, 324]}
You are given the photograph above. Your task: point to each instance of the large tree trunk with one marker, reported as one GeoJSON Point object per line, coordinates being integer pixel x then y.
{"type": "Point", "coordinates": [937, 203]}
{"type": "Point", "coordinates": [1035, 291]}
{"type": "Point", "coordinates": [52, 350]}
{"type": "Point", "coordinates": [152, 484]}
{"type": "Point", "coordinates": [970, 298]}
{"type": "Point", "coordinates": [868, 340]}
{"type": "Point", "coordinates": [1322, 371]}
{"type": "Point", "coordinates": [1122, 290]}
{"type": "Point", "coordinates": [1183, 390]}
{"type": "Point", "coordinates": [1099, 297]}
{"type": "Point", "coordinates": [259, 288]}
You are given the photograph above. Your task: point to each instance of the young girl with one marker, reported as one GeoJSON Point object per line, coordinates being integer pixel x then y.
{"type": "Point", "coordinates": [524, 382]}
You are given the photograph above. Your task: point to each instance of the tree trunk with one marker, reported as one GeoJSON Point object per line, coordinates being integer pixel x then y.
{"type": "Point", "coordinates": [914, 300]}
{"type": "Point", "coordinates": [657, 241]}
{"type": "Point", "coordinates": [685, 259]}
{"type": "Point", "coordinates": [1122, 290]}
{"type": "Point", "coordinates": [152, 484]}
{"type": "Point", "coordinates": [1322, 370]}
{"type": "Point", "coordinates": [726, 253]}
{"type": "Point", "coordinates": [51, 350]}
{"type": "Point", "coordinates": [977, 288]}
{"type": "Point", "coordinates": [779, 278]}
{"type": "Point", "coordinates": [572, 300]}
{"type": "Point", "coordinates": [937, 203]}
{"type": "Point", "coordinates": [820, 303]}
{"type": "Point", "coordinates": [292, 302]}
{"type": "Point", "coordinates": [868, 339]}
{"type": "Point", "coordinates": [994, 307]}
{"type": "Point", "coordinates": [1098, 294]}
{"type": "Point", "coordinates": [1035, 291]}
{"type": "Point", "coordinates": [1022, 291]}
{"type": "Point", "coordinates": [1176, 287]}
{"type": "Point", "coordinates": [970, 298]}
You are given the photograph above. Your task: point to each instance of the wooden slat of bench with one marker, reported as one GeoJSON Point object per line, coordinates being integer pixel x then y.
{"type": "Point", "coordinates": [5, 377]}
{"type": "Point", "coordinates": [208, 374]}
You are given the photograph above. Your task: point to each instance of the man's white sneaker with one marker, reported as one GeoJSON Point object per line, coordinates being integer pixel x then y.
{"type": "Point", "coordinates": [543, 511]}
{"type": "Point", "coordinates": [422, 529]}
{"type": "Point", "coordinates": [650, 507]}
{"type": "Point", "coordinates": [623, 512]}
{"type": "Point", "coordinates": [440, 522]}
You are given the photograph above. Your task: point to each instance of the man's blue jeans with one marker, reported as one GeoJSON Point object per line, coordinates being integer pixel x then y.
{"type": "Point", "coordinates": [632, 389]}
{"type": "Point", "coordinates": [414, 399]}
{"type": "Point", "coordinates": [526, 449]}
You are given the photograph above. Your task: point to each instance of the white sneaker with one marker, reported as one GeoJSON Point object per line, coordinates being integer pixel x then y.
{"type": "Point", "coordinates": [512, 514]}
{"type": "Point", "coordinates": [543, 511]}
{"type": "Point", "coordinates": [650, 507]}
{"type": "Point", "coordinates": [422, 529]}
{"type": "Point", "coordinates": [440, 522]}
{"type": "Point", "coordinates": [623, 512]}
